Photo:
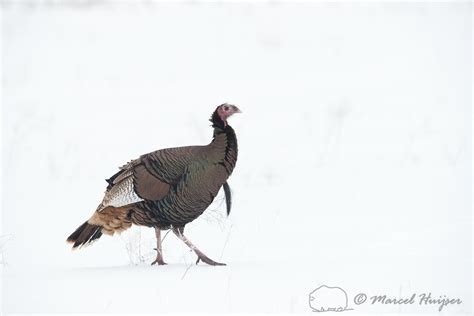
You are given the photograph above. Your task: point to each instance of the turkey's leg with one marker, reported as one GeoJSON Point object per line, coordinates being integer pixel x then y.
{"type": "Point", "coordinates": [159, 256]}
{"type": "Point", "coordinates": [201, 256]}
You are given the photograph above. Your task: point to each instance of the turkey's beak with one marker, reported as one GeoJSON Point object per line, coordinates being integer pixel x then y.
{"type": "Point", "coordinates": [236, 109]}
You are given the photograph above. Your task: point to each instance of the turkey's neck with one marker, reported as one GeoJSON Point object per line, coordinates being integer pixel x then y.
{"type": "Point", "coordinates": [224, 147]}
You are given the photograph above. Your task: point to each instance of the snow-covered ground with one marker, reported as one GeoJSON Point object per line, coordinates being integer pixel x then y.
{"type": "Point", "coordinates": [354, 165]}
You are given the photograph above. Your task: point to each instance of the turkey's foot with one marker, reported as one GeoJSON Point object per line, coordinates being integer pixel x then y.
{"type": "Point", "coordinates": [208, 260]}
{"type": "Point", "coordinates": [159, 256]}
{"type": "Point", "coordinates": [159, 262]}
{"type": "Point", "coordinates": [159, 259]}
{"type": "Point", "coordinates": [201, 256]}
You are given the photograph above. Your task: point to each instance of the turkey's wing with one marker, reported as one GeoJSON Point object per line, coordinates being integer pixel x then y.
{"type": "Point", "coordinates": [147, 186]}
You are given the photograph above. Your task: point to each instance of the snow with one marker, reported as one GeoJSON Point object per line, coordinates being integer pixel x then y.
{"type": "Point", "coordinates": [354, 162]}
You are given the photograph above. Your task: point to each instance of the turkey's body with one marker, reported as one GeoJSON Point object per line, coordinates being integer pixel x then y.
{"type": "Point", "coordinates": [167, 188]}
{"type": "Point", "coordinates": [195, 183]}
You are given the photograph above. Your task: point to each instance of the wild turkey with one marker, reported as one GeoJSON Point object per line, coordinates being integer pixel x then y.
{"type": "Point", "coordinates": [167, 188]}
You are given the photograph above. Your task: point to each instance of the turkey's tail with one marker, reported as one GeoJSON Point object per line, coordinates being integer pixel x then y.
{"type": "Point", "coordinates": [84, 235]}
{"type": "Point", "coordinates": [109, 220]}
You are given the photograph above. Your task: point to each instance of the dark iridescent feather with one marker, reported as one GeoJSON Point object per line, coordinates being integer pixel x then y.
{"type": "Point", "coordinates": [228, 197]}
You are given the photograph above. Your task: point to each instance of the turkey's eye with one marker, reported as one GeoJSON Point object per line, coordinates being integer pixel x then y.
{"type": "Point", "coordinates": [226, 108]}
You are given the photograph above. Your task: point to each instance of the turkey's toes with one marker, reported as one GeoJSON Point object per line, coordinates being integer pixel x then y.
{"type": "Point", "coordinates": [159, 257]}
{"type": "Point", "coordinates": [159, 262]}
{"type": "Point", "coordinates": [209, 261]}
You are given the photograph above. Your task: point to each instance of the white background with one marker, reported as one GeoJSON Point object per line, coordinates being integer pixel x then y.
{"type": "Point", "coordinates": [354, 162]}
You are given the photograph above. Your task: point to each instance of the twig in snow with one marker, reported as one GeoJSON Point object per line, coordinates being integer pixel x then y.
{"type": "Point", "coordinates": [226, 241]}
{"type": "Point", "coordinates": [3, 241]}
{"type": "Point", "coordinates": [188, 266]}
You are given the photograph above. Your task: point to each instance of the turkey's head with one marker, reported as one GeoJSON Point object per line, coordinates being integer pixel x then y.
{"type": "Point", "coordinates": [222, 113]}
